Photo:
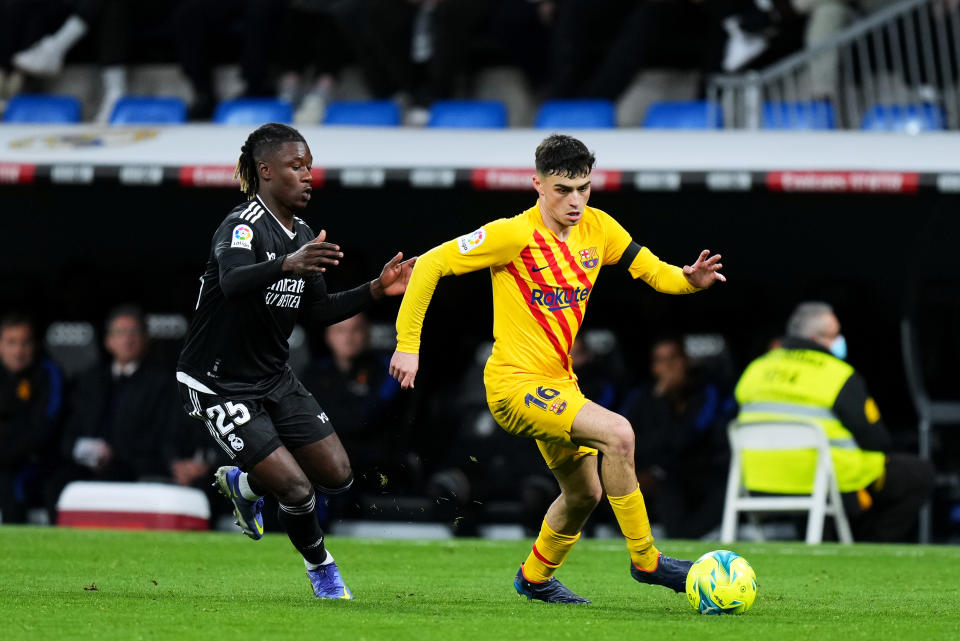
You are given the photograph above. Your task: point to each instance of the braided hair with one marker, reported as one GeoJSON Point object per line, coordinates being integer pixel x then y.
{"type": "Point", "coordinates": [260, 142]}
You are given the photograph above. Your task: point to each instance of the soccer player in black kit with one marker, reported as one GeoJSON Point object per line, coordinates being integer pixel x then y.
{"type": "Point", "coordinates": [263, 274]}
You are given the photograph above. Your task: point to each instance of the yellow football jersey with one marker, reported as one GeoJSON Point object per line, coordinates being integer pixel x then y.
{"type": "Point", "coordinates": [541, 288]}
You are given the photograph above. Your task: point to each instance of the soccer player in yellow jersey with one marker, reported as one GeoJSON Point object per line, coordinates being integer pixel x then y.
{"type": "Point", "coordinates": [544, 263]}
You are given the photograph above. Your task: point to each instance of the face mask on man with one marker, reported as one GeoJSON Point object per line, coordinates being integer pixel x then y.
{"type": "Point", "coordinates": [839, 347]}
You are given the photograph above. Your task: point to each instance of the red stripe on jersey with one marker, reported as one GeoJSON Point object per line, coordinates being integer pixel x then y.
{"type": "Point", "coordinates": [557, 272]}
{"type": "Point", "coordinates": [527, 256]}
{"type": "Point", "coordinates": [542, 558]}
{"type": "Point", "coordinates": [581, 275]}
{"type": "Point", "coordinates": [537, 314]}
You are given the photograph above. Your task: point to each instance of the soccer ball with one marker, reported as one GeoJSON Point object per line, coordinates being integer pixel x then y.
{"type": "Point", "coordinates": [721, 582]}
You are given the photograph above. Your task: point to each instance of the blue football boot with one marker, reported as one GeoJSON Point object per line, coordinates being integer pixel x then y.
{"type": "Point", "coordinates": [248, 513]}
{"type": "Point", "coordinates": [551, 591]}
{"type": "Point", "coordinates": [327, 582]}
{"type": "Point", "coordinates": [670, 573]}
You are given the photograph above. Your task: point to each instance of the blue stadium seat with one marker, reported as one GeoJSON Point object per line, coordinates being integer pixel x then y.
{"type": "Point", "coordinates": [576, 114]}
{"type": "Point", "coordinates": [468, 114]}
{"type": "Point", "coordinates": [149, 110]}
{"type": "Point", "coordinates": [369, 113]}
{"type": "Point", "coordinates": [683, 114]}
{"type": "Point", "coordinates": [808, 115]}
{"type": "Point", "coordinates": [904, 118]}
{"type": "Point", "coordinates": [253, 111]}
{"type": "Point", "coordinates": [42, 108]}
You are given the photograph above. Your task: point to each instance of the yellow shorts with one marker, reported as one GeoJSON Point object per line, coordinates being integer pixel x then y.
{"type": "Point", "coordinates": [544, 410]}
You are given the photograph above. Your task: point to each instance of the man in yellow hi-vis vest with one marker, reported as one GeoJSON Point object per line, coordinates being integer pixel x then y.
{"type": "Point", "coordinates": [807, 378]}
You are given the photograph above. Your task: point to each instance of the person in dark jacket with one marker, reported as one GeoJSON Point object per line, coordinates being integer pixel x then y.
{"type": "Point", "coordinates": [121, 412]}
{"type": "Point", "coordinates": [31, 406]}
{"type": "Point", "coordinates": [682, 414]}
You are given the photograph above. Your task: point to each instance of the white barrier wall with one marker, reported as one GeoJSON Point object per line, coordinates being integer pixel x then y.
{"type": "Point", "coordinates": [205, 155]}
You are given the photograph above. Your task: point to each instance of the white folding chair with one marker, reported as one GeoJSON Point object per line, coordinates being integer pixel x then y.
{"type": "Point", "coordinates": [783, 435]}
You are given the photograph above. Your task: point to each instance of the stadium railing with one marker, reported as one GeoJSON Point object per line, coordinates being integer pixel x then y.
{"type": "Point", "coordinates": [906, 55]}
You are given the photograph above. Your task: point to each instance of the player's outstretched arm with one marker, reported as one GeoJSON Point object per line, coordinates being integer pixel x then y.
{"type": "Point", "coordinates": [394, 278]}
{"type": "Point", "coordinates": [327, 308]}
{"type": "Point", "coordinates": [419, 288]}
{"type": "Point", "coordinates": [241, 274]}
{"type": "Point", "coordinates": [314, 257]}
{"type": "Point", "coordinates": [494, 244]}
{"type": "Point", "coordinates": [705, 271]}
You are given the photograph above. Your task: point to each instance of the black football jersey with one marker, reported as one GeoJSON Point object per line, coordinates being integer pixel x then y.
{"type": "Point", "coordinates": [237, 341]}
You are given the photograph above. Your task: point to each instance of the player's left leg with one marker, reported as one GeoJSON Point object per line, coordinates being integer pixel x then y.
{"type": "Point", "coordinates": [308, 433]}
{"type": "Point", "coordinates": [326, 464]}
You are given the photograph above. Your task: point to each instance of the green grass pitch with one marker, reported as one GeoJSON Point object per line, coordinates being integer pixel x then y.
{"type": "Point", "coordinates": [83, 584]}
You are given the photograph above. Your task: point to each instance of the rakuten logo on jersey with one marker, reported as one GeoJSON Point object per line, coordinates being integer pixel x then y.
{"type": "Point", "coordinates": [558, 298]}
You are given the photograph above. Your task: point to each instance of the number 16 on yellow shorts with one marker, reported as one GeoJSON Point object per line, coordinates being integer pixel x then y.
{"type": "Point", "coordinates": [544, 410]}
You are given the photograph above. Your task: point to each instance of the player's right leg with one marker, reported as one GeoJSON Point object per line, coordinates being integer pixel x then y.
{"type": "Point", "coordinates": [548, 420]}
{"type": "Point", "coordinates": [612, 434]}
{"type": "Point", "coordinates": [245, 432]}
{"type": "Point", "coordinates": [580, 491]}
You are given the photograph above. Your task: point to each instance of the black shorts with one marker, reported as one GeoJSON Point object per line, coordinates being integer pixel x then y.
{"type": "Point", "coordinates": [250, 430]}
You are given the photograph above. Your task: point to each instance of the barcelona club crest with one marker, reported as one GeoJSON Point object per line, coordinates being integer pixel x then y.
{"type": "Point", "coordinates": [558, 407]}
{"type": "Point", "coordinates": [589, 258]}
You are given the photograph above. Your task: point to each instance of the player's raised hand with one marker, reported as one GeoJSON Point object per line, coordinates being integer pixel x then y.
{"type": "Point", "coordinates": [314, 257]}
{"type": "Point", "coordinates": [706, 271]}
{"type": "Point", "coordinates": [394, 277]}
{"type": "Point", "coordinates": [403, 367]}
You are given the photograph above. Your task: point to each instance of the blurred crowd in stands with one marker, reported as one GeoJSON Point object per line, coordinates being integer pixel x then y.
{"type": "Point", "coordinates": [414, 52]}
{"type": "Point", "coordinates": [81, 405]}
{"type": "Point", "coordinates": [440, 458]}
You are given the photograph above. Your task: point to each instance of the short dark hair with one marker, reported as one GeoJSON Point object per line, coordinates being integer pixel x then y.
{"type": "Point", "coordinates": [261, 142]}
{"type": "Point", "coordinates": [16, 318]}
{"type": "Point", "coordinates": [126, 309]}
{"type": "Point", "coordinates": [561, 155]}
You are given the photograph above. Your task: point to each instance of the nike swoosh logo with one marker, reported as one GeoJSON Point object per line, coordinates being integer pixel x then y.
{"type": "Point", "coordinates": [536, 269]}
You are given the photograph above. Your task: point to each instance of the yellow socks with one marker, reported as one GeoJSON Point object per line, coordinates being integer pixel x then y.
{"type": "Point", "coordinates": [549, 552]}
{"type": "Point", "coordinates": [631, 513]}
